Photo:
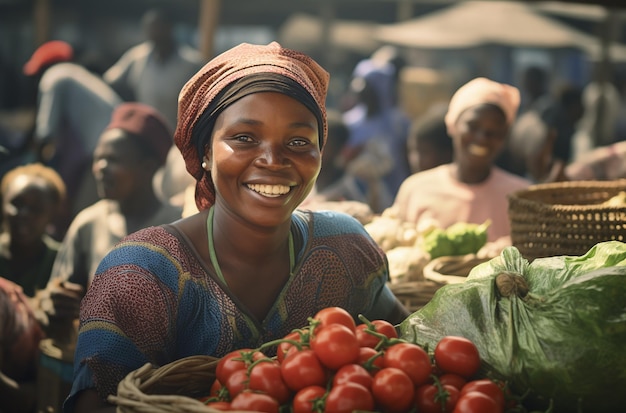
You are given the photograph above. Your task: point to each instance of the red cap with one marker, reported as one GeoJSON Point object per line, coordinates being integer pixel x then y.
{"type": "Point", "coordinates": [48, 53]}
{"type": "Point", "coordinates": [145, 123]}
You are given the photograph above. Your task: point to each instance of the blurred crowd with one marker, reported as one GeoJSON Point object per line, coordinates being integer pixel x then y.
{"type": "Point", "coordinates": [100, 163]}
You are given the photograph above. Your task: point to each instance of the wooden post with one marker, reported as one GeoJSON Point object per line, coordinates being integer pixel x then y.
{"type": "Point", "coordinates": [207, 26]}
{"type": "Point", "coordinates": [327, 20]}
{"type": "Point", "coordinates": [608, 35]}
{"type": "Point", "coordinates": [404, 10]}
{"type": "Point", "coordinates": [41, 18]}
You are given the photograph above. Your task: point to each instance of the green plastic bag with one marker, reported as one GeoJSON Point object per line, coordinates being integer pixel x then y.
{"type": "Point", "coordinates": [555, 329]}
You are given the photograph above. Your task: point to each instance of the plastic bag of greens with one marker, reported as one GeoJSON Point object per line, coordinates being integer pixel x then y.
{"type": "Point", "coordinates": [554, 329]}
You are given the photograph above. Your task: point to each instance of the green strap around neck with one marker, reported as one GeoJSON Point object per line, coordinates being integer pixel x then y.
{"type": "Point", "coordinates": [213, 255]}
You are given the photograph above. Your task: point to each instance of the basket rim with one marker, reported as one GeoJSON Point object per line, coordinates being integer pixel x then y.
{"type": "Point", "coordinates": [525, 197]}
{"type": "Point", "coordinates": [585, 184]}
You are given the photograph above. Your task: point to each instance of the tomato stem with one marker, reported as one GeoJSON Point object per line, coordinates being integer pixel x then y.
{"type": "Point", "coordinates": [442, 394]}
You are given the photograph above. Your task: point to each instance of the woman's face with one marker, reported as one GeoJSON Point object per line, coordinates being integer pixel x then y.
{"type": "Point", "coordinates": [265, 157]}
{"type": "Point", "coordinates": [481, 132]}
{"type": "Point", "coordinates": [118, 166]}
{"type": "Point", "coordinates": [28, 208]}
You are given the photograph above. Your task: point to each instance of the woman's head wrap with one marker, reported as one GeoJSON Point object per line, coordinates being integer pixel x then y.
{"type": "Point", "coordinates": [238, 72]}
{"type": "Point", "coordinates": [480, 91]}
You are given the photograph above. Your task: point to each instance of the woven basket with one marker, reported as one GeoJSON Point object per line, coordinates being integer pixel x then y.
{"type": "Point", "coordinates": [415, 294]}
{"type": "Point", "coordinates": [566, 218]}
{"type": "Point", "coordinates": [452, 269]}
{"type": "Point", "coordinates": [437, 273]}
{"type": "Point", "coordinates": [171, 388]}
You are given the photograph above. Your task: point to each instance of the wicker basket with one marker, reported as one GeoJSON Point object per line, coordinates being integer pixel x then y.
{"type": "Point", "coordinates": [566, 218]}
{"type": "Point", "coordinates": [171, 388]}
{"type": "Point", "coordinates": [437, 273]}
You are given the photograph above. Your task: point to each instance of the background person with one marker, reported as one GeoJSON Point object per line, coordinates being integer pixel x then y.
{"type": "Point", "coordinates": [153, 72]}
{"type": "Point", "coordinates": [471, 188]}
{"type": "Point", "coordinates": [428, 144]}
{"type": "Point", "coordinates": [375, 154]}
{"type": "Point", "coordinates": [74, 106]}
{"type": "Point", "coordinates": [20, 335]}
{"type": "Point", "coordinates": [32, 196]}
{"type": "Point", "coordinates": [130, 150]}
{"type": "Point", "coordinates": [248, 267]}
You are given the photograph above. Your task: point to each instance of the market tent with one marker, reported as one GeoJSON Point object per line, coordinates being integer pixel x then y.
{"type": "Point", "coordinates": [305, 32]}
{"type": "Point", "coordinates": [589, 12]}
{"type": "Point", "coordinates": [475, 23]}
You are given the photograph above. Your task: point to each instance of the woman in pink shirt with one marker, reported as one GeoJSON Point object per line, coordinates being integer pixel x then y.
{"type": "Point", "coordinates": [471, 188]}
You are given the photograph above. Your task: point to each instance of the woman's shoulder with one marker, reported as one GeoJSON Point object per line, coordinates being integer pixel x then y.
{"type": "Point", "coordinates": [152, 249]}
{"type": "Point", "coordinates": [156, 235]}
{"type": "Point", "coordinates": [437, 174]}
{"type": "Point", "coordinates": [329, 222]}
{"type": "Point", "coordinates": [511, 181]}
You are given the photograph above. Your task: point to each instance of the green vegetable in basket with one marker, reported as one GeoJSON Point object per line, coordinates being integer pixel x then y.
{"type": "Point", "coordinates": [555, 328]}
{"type": "Point", "coordinates": [460, 238]}
{"type": "Point", "coordinates": [438, 244]}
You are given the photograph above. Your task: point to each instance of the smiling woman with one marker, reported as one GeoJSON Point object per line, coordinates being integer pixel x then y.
{"type": "Point", "coordinates": [471, 188]}
{"type": "Point", "coordinates": [248, 267]}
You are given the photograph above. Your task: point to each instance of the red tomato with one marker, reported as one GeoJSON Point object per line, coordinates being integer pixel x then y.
{"type": "Point", "coordinates": [348, 397]}
{"type": "Point", "coordinates": [302, 369]}
{"type": "Point", "coordinates": [284, 346]}
{"type": "Point", "coordinates": [258, 402]}
{"type": "Point", "coordinates": [309, 399]}
{"type": "Point", "coordinates": [380, 326]}
{"type": "Point", "coordinates": [459, 355]}
{"type": "Point", "coordinates": [237, 382]}
{"type": "Point", "coordinates": [354, 373]}
{"type": "Point", "coordinates": [488, 387]}
{"type": "Point", "coordinates": [428, 398]}
{"type": "Point", "coordinates": [371, 359]}
{"type": "Point", "coordinates": [223, 406]}
{"type": "Point", "coordinates": [335, 345]}
{"type": "Point", "coordinates": [393, 390]}
{"type": "Point", "coordinates": [334, 315]}
{"type": "Point", "coordinates": [453, 380]}
{"type": "Point", "coordinates": [266, 377]}
{"type": "Point", "coordinates": [236, 360]}
{"type": "Point", "coordinates": [410, 358]}
{"type": "Point", "coordinates": [476, 402]}
{"type": "Point", "coordinates": [216, 388]}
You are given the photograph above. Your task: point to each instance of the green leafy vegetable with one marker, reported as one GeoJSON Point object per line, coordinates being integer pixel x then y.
{"type": "Point", "coordinates": [459, 239]}
{"type": "Point", "coordinates": [555, 328]}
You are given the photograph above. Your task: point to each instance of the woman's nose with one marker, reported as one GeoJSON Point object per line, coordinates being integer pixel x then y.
{"type": "Point", "coordinates": [273, 156]}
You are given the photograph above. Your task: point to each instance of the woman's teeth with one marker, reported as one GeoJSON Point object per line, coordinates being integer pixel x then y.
{"type": "Point", "coordinates": [478, 150]}
{"type": "Point", "coordinates": [270, 190]}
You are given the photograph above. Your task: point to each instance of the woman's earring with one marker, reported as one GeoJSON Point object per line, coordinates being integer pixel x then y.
{"type": "Point", "coordinates": [205, 164]}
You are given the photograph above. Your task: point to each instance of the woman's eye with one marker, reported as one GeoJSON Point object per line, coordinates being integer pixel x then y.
{"type": "Point", "coordinates": [243, 138]}
{"type": "Point", "coordinates": [299, 142]}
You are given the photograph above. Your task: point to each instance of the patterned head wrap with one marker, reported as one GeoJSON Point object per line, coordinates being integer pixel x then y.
{"type": "Point", "coordinates": [236, 73]}
{"type": "Point", "coordinates": [480, 91]}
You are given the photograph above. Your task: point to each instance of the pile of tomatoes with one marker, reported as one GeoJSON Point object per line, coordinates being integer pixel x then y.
{"type": "Point", "coordinates": [334, 365]}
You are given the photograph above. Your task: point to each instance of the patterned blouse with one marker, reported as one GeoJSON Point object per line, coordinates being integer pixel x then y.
{"type": "Point", "coordinates": [152, 299]}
